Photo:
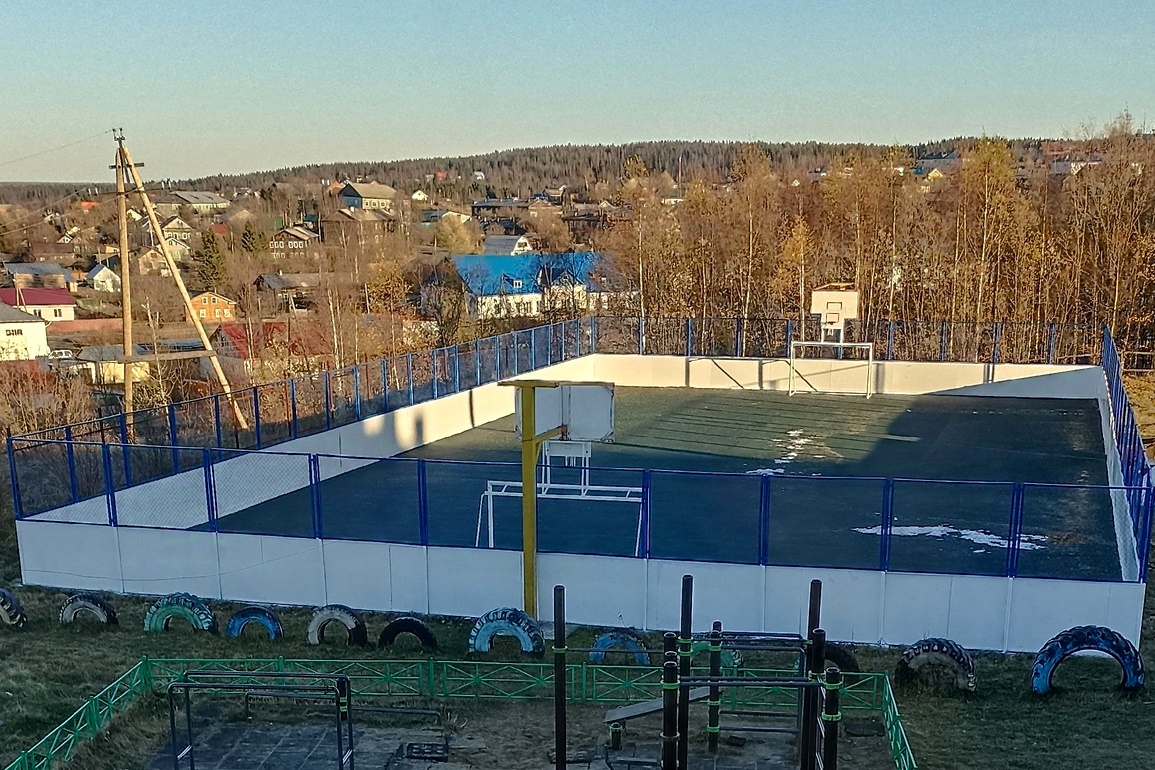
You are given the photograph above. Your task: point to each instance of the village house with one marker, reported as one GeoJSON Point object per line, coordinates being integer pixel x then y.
{"type": "Point", "coordinates": [152, 262]}
{"type": "Point", "coordinates": [357, 227]}
{"type": "Point", "coordinates": [367, 195]}
{"type": "Point", "coordinates": [49, 304]}
{"type": "Point", "coordinates": [45, 275]}
{"type": "Point", "coordinates": [213, 307]}
{"type": "Point", "coordinates": [294, 241]}
{"type": "Point", "coordinates": [102, 278]}
{"type": "Point", "coordinates": [269, 350]}
{"type": "Point", "coordinates": [200, 202]}
{"type": "Point", "coordinates": [528, 285]}
{"type": "Point", "coordinates": [22, 335]}
{"type": "Point", "coordinates": [105, 367]}
{"type": "Point", "coordinates": [285, 292]}
{"type": "Point", "coordinates": [508, 245]}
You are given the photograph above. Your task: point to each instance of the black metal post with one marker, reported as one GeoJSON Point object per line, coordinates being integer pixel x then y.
{"type": "Point", "coordinates": [669, 715]}
{"type": "Point", "coordinates": [192, 761]}
{"type": "Point", "coordinates": [685, 644]}
{"type": "Point", "coordinates": [616, 736]}
{"type": "Point", "coordinates": [814, 616]}
{"type": "Point", "coordinates": [715, 701]}
{"type": "Point", "coordinates": [831, 716]}
{"type": "Point", "coordinates": [559, 676]}
{"type": "Point", "coordinates": [669, 643]}
{"type": "Point", "coordinates": [808, 730]}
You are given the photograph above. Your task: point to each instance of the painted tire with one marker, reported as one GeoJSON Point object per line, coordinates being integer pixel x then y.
{"type": "Point", "coordinates": [356, 634]}
{"type": "Point", "coordinates": [731, 658]}
{"type": "Point", "coordinates": [507, 621]}
{"type": "Point", "coordinates": [411, 626]}
{"type": "Point", "coordinates": [90, 603]}
{"type": "Point", "coordinates": [843, 658]}
{"type": "Point", "coordinates": [938, 652]}
{"type": "Point", "coordinates": [180, 605]}
{"type": "Point", "coordinates": [624, 641]}
{"type": "Point", "coordinates": [11, 613]}
{"type": "Point", "coordinates": [259, 615]}
{"type": "Point", "coordinates": [1079, 638]}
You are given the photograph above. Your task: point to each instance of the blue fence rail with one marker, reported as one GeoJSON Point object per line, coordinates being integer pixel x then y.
{"type": "Point", "coordinates": [773, 520]}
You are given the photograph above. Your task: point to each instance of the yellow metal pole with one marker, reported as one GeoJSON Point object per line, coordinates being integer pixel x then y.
{"type": "Point", "coordinates": [529, 445]}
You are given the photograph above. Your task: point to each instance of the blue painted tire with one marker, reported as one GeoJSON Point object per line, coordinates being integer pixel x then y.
{"type": "Point", "coordinates": [258, 615]}
{"type": "Point", "coordinates": [1064, 644]}
{"type": "Point", "coordinates": [938, 652]}
{"type": "Point", "coordinates": [624, 641]}
{"type": "Point", "coordinates": [507, 621]}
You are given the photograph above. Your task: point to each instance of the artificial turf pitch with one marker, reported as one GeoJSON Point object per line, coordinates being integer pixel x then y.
{"type": "Point", "coordinates": [812, 467]}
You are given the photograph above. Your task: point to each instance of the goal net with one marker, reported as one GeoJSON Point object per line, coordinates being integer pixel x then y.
{"type": "Point", "coordinates": [832, 367]}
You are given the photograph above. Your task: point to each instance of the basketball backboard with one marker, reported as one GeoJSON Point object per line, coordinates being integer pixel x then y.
{"type": "Point", "coordinates": [834, 304]}
{"type": "Point", "coordinates": [586, 409]}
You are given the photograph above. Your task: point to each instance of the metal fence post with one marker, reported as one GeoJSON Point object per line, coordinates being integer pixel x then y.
{"type": "Point", "coordinates": [124, 450]}
{"type": "Point", "coordinates": [456, 368]}
{"type": "Point", "coordinates": [17, 508]}
{"type": "Point", "coordinates": [433, 364]}
{"type": "Point", "coordinates": [172, 438]}
{"type": "Point", "coordinates": [217, 419]}
{"type": "Point", "coordinates": [533, 346]}
{"type": "Point", "coordinates": [327, 388]}
{"type": "Point", "coordinates": [689, 337]}
{"type": "Point", "coordinates": [357, 392]}
{"type": "Point", "coordinates": [73, 484]}
{"type": "Point", "coordinates": [942, 342]}
{"type": "Point", "coordinates": [887, 524]}
{"type": "Point", "coordinates": [422, 503]}
{"type": "Point", "coordinates": [593, 334]}
{"type": "Point", "coordinates": [109, 483]}
{"type": "Point", "coordinates": [384, 384]}
{"type": "Point", "coordinates": [257, 417]}
{"type": "Point", "coordinates": [516, 352]}
{"type": "Point", "coordinates": [409, 375]}
{"type": "Point", "coordinates": [315, 497]}
{"type": "Point", "coordinates": [1052, 333]}
{"type": "Point", "coordinates": [998, 337]}
{"type": "Point", "coordinates": [890, 340]}
{"type": "Point", "coordinates": [293, 406]}
{"type": "Point", "coordinates": [476, 363]}
{"type": "Point", "coordinates": [641, 335]}
{"type": "Point", "coordinates": [739, 334]}
{"type": "Point", "coordinates": [764, 520]}
{"type": "Point", "coordinates": [1015, 530]}
{"type": "Point", "coordinates": [789, 338]}
{"type": "Point", "coordinates": [210, 490]}
{"type": "Point", "coordinates": [1144, 541]}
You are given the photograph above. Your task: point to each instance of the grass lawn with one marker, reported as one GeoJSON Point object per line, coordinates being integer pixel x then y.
{"type": "Point", "coordinates": [47, 671]}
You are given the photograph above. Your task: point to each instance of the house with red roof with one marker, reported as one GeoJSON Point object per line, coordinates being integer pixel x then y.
{"type": "Point", "coordinates": [49, 304]}
{"type": "Point", "coordinates": [271, 349]}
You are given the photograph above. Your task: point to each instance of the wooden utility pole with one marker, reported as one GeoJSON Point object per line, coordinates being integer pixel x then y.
{"type": "Point", "coordinates": [154, 223]}
{"type": "Point", "coordinates": [125, 273]}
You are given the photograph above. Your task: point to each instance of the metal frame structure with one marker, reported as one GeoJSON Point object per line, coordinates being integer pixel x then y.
{"type": "Point", "coordinates": [839, 346]}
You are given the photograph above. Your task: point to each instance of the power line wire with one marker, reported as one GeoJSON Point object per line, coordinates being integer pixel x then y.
{"type": "Point", "coordinates": [55, 149]}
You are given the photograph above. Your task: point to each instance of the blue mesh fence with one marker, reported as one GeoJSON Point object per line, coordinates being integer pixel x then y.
{"type": "Point", "coordinates": [825, 521]}
{"type": "Point", "coordinates": [267, 493]}
{"type": "Point", "coordinates": [460, 499]}
{"type": "Point", "coordinates": [705, 517]}
{"type": "Point", "coordinates": [1057, 536]}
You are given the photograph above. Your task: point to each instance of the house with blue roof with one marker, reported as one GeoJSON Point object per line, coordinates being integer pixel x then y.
{"type": "Point", "coordinates": [534, 284]}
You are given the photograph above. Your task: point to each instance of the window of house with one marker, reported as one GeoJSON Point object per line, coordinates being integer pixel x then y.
{"type": "Point", "coordinates": [204, 300]}
{"type": "Point", "coordinates": [218, 313]}
{"type": "Point", "coordinates": [202, 314]}
{"type": "Point", "coordinates": [57, 313]}
{"type": "Point", "coordinates": [517, 283]}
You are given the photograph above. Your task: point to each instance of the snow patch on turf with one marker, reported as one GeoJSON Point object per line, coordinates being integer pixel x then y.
{"type": "Point", "coordinates": [977, 536]}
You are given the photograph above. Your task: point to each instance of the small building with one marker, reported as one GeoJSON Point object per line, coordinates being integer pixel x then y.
{"type": "Point", "coordinates": [420, 196]}
{"type": "Point", "coordinates": [508, 245]}
{"type": "Point", "coordinates": [269, 349]}
{"type": "Point", "coordinates": [106, 368]}
{"type": "Point", "coordinates": [22, 336]}
{"type": "Point", "coordinates": [44, 275]}
{"type": "Point", "coordinates": [172, 228]}
{"type": "Point", "coordinates": [49, 304]}
{"type": "Point", "coordinates": [367, 195]}
{"type": "Point", "coordinates": [358, 227]}
{"type": "Point", "coordinates": [152, 262]}
{"type": "Point", "coordinates": [102, 278]}
{"type": "Point", "coordinates": [200, 202]}
{"type": "Point", "coordinates": [213, 307]}
{"type": "Point", "coordinates": [433, 216]}
{"type": "Point", "coordinates": [528, 285]}
{"type": "Point", "coordinates": [293, 241]}
{"type": "Point", "coordinates": [291, 291]}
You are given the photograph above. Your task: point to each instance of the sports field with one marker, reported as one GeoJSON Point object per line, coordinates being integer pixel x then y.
{"type": "Point", "coordinates": [822, 459]}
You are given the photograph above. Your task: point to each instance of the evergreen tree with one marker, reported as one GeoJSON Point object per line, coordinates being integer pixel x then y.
{"type": "Point", "coordinates": [251, 240]}
{"type": "Point", "coordinates": [209, 266]}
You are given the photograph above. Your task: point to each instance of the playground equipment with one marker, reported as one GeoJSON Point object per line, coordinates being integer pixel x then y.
{"type": "Point", "coordinates": [938, 652]}
{"type": "Point", "coordinates": [1080, 638]}
{"type": "Point", "coordinates": [11, 613]}
{"type": "Point", "coordinates": [356, 635]}
{"type": "Point", "coordinates": [339, 693]}
{"type": "Point", "coordinates": [91, 604]}
{"type": "Point", "coordinates": [834, 304]}
{"type": "Point", "coordinates": [259, 615]}
{"type": "Point", "coordinates": [180, 605]}
{"type": "Point", "coordinates": [507, 621]}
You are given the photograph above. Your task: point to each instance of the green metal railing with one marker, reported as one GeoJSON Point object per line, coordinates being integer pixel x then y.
{"type": "Point", "coordinates": [436, 679]}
